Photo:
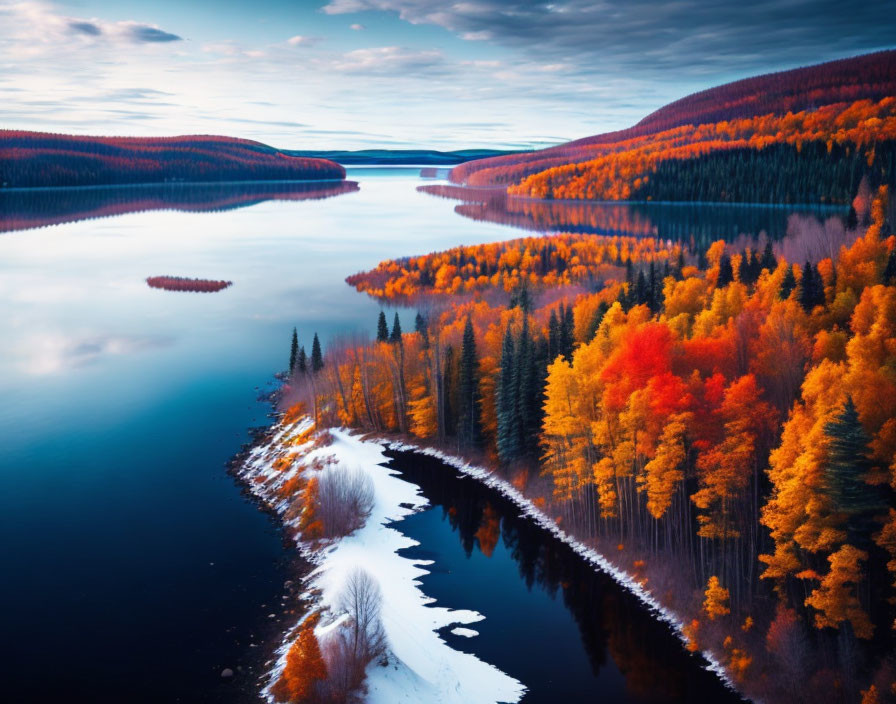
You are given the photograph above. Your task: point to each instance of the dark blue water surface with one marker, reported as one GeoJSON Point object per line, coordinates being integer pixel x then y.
{"type": "Point", "coordinates": [567, 632]}
{"type": "Point", "coordinates": [133, 569]}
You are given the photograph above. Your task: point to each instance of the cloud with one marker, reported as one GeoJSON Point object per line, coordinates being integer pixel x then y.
{"type": "Point", "coordinates": [33, 27]}
{"type": "Point", "coordinates": [652, 36]}
{"type": "Point", "coordinates": [357, 27]}
{"type": "Point", "coordinates": [146, 33]}
{"type": "Point", "coordinates": [388, 61]}
{"type": "Point", "coordinates": [88, 28]}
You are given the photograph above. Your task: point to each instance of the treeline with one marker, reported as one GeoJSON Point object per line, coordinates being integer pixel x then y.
{"type": "Point", "coordinates": [834, 85]}
{"type": "Point", "coordinates": [615, 172]}
{"type": "Point", "coordinates": [723, 425]}
{"type": "Point", "coordinates": [34, 159]}
{"type": "Point", "coordinates": [811, 172]}
{"type": "Point", "coordinates": [514, 265]}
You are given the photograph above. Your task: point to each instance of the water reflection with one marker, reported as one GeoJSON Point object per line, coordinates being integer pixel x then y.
{"type": "Point", "coordinates": [697, 224]}
{"type": "Point", "coordinates": [567, 632]}
{"type": "Point", "coordinates": [28, 208]}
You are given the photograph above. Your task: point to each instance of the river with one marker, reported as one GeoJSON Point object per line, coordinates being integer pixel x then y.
{"type": "Point", "coordinates": [134, 569]}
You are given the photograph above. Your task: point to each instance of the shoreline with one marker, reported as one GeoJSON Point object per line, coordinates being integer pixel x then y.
{"type": "Point", "coordinates": [266, 439]}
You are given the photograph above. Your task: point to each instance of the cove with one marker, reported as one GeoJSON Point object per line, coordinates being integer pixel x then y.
{"type": "Point", "coordinates": [567, 632]}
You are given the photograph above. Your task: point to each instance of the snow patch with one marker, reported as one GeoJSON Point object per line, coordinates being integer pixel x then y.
{"type": "Point", "coordinates": [465, 632]}
{"type": "Point", "coordinates": [421, 667]}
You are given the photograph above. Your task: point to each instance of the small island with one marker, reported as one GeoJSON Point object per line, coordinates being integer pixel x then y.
{"type": "Point", "coordinates": [184, 283]}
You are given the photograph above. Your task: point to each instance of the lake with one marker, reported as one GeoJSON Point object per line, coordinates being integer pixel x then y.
{"type": "Point", "coordinates": [134, 569]}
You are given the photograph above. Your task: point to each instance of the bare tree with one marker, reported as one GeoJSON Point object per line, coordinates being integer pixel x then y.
{"type": "Point", "coordinates": [345, 499]}
{"type": "Point", "coordinates": [361, 600]}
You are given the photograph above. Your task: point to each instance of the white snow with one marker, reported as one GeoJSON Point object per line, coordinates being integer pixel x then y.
{"type": "Point", "coordinates": [465, 632]}
{"type": "Point", "coordinates": [421, 668]}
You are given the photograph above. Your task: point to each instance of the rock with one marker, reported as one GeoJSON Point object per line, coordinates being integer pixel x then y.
{"type": "Point", "coordinates": [226, 673]}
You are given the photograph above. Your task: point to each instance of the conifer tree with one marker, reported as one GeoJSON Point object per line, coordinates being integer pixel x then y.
{"type": "Point", "coordinates": [293, 351]}
{"type": "Point", "coordinates": [567, 333]}
{"type": "Point", "coordinates": [302, 361]}
{"type": "Point", "coordinates": [726, 273]}
{"type": "Point", "coordinates": [382, 328]}
{"type": "Point", "coordinates": [395, 337]}
{"type": "Point", "coordinates": [468, 412]}
{"type": "Point", "coordinates": [788, 284]}
{"type": "Point", "coordinates": [420, 327]}
{"type": "Point", "coordinates": [811, 291]}
{"type": "Point", "coordinates": [317, 358]}
{"type": "Point", "coordinates": [508, 421]}
{"type": "Point", "coordinates": [553, 336]}
{"type": "Point", "coordinates": [845, 474]}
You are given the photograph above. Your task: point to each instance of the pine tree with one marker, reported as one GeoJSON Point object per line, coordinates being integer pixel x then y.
{"type": "Point", "coordinates": [726, 273]}
{"type": "Point", "coordinates": [553, 336]}
{"type": "Point", "coordinates": [302, 361]}
{"type": "Point", "coordinates": [567, 333]}
{"type": "Point", "coordinates": [468, 413]}
{"type": "Point", "coordinates": [420, 327]}
{"type": "Point", "coordinates": [596, 320]}
{"type": "Point", "coordinates": [395, 337]}
{"type": "Point", "coordinates": [382, 328]}
{"type": "Point", "coordinates": [788, 284]}
{"type": "Point", "coordinates": [293, 351]}
{"type": "Point", "coordinates": [811, 291]}
{"type": "Point", "coordinates": [317, 358]}
{"type": "Point", "coordinates": [506, 402]}
{"type": "Point", "coordinates": [845, 472]}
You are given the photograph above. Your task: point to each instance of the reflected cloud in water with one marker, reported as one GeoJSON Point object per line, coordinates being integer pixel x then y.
{"type": "Point", "coordinates": [52, 353]}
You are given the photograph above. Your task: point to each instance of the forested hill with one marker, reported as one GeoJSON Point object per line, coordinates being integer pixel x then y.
{"type": "Point", "coordinates": [816, 131]}
{"type": "Point", "coordinates": [35, 159]}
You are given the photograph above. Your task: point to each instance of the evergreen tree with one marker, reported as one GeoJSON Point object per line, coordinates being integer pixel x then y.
{"type": "Point", "coordinates": [852, 219]}
{"type": "Point", "coordinates": [317, 358]}
{"type": "Point", "coordinates": [567, 332]}
{"type": "Point", "coordinates": [382, 328]}
{"type": "Point", "coordinates": [811, 292]}
{"type": "Point", "coordinates": [596, 320]}
{"type": "Point", "coordinates": [788, 284]}
{"type": "Point", "coordinates": [768, 260]}
{"type": "Point", "coordinates": [302, 361]}
{"type": "Point", "coordinates": [395, 337]}
{"type": "Point", "coordinates": [553, 335]}
{"type": "Point", "coordinates": [726, 273]}
{"type": "Point", "coordinates": [845, 475]}
{"type": "Point", "coordinates": [293, 351]}
{"type": "Point", "coordinates": [420, 327]}
{"type": "Point", "coordinates": [468, 413]}
{"type": "Point", "coordinates": [506, 402]}
{"type": "Point", "coordinates": [641, 290]}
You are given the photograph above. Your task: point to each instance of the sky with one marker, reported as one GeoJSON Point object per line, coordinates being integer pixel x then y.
{"type": "Point", "coordinates": [355, 74]}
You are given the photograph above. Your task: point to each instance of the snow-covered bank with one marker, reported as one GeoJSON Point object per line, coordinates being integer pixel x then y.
{"type": "Point", "coordinates": [421, 666]}
{"type": "Point", "coordinates": [592, 556]}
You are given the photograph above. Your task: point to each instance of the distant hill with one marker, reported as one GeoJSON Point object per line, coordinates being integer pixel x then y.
{"type": "Point", "coordinates": [35, 159]}
{"type": "Point", "coordinates": [805, 135]}
{"type": "Point", "coordinates": [398, 157]}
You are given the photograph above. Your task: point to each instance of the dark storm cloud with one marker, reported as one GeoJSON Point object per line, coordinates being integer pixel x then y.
{"type": "Point", "coordinates": [144, 33]}
{"type": "Point", "coordinates": [88, 28]}
{"type": "Point", "coordinates": [694, 37]}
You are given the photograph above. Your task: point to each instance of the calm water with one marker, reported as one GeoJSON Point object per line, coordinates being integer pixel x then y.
{"type": "Point", "coordinates": [133, 568]}
{"type": "Point", "coordinates": [568, 633]}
